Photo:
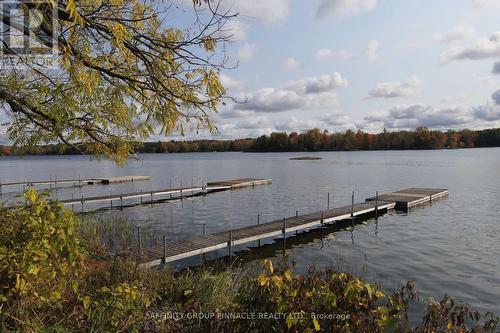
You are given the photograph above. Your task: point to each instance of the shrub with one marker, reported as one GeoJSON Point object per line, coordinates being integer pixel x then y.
{"type": "Point", "coordinates": [41, 258]}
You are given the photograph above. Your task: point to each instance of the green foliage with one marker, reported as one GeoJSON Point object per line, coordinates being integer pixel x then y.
{"type": "Point", "coordinates": [121, 74]}
{"type": "Point", "coordinates": [40, 252]}
{"type": "Point", "coordinates": [41, 259]}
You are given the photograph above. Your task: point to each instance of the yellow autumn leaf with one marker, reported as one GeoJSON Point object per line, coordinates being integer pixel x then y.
{"type": "Point", "coordinates": [316, 324]}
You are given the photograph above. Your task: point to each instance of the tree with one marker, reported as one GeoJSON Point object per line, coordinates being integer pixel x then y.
{"type": "Point", "coordinates": [122, 73]}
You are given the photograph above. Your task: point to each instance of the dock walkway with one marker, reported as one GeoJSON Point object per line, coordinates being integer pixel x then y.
{"type": "Point", "coordinates": [180, 249]}
{"type": "Point", "coordinates": [77, 182]}
{"type": "Point", "coordinates": [223, 185]}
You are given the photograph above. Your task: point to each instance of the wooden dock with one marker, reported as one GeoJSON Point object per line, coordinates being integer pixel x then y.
{"type": "Point", "coordinates": [182, 191]}
{"type": "Point", "coordinates": [78, 182]}
{"type": "Point", "coordinates": [181, 249]}
{"type": "Point", "coordinates": [412, 197]}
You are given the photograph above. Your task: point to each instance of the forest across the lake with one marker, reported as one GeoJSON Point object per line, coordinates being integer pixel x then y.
{"type": "Point", "coordinates": [311, 140]}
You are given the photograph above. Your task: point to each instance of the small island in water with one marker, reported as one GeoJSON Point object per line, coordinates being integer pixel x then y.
{"type": "Point", "coordinates": [305, 158]}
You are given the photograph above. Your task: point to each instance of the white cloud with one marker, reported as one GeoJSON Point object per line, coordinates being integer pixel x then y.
{"type": "Point", "coordinates": [246, 52]}
{"type": "Point", "coordinates": [233, 30]}
{"type": "Point", "coordinates": [344, 8]}
{"type": "Point", "coordinates": [412, 116]}
{"type": "Point", "coordinates": [394, 89]}
{"type": "Point", "coordinates": [327, 54]}
{"type": "Point", "coordinates": [329, 121]}
{"type": "Point", "coordinates": [262, 10]}
{"type": "Point", "coordinates": [232, 85]}
{"type": "Point", "coordinates": [318, 84]}
{"type": "Point", "coordinates": [313, 92]}
{"type": "Point", "coordinates": [482, 48]}
{"type": "Point", "coordinates": [459, 32]}
{"type": "Point", "coordinates": [371, 50]}
{"type": "Point", "coordinates": [487, 3]}
{"type": "Point", "coordinates": [291, 63]}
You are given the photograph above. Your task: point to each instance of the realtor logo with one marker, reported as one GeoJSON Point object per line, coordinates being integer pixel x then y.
{"type": "Point", "coordinates": [28, 27]}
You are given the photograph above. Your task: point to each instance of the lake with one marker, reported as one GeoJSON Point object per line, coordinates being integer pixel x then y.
{"type": "Point", "coordinates": [451, 246]}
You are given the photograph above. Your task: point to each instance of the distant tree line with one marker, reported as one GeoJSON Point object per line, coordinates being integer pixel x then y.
{"type": "Point", "coordinates": [312, 140]}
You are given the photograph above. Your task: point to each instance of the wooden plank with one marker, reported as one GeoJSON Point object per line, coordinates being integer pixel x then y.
{"type": "Point", "coordinates": [186, 248]}
{"type": "Point", "coordinates": [122, 179]}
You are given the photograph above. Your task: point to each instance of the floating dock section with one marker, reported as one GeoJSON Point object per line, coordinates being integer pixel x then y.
{"type": "Point", "coordinates": [78, 182]}
{"type": "Point", "coordinates": [181, 249]}
{"type": "Point", "coordinates": [182, 191]}
{"type": "Point", "coordinates": [412, 197]}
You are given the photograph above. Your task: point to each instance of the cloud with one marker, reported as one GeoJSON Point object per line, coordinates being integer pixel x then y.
{"type": "Point", "coordinates": [371, 50]}
{"type": "Point", "coordinates": [409, 87]}
{"type": "Point", "coordinates": [482, 48]}
{"type": "Point", "coordinates": [496, 68]}
{"type": "Point", "coordinates": [333, 121]}
{"type": "Point", "coordinates": [491, 110]}
{"type": "Point", "coordinates": [232, 30]}
{"type": "Point", "coordinates": [271, 100]}
{"type": "Point", "coordinates": [232, 85]}
{"type": "Point", "coordinates": [311, 92]}
{"type": "Point", "coordinates": [290, 64]}
{"type": "Point", "coordinates": [457, 33]}
{"type": "Point", "coordinates": [412, 116]}
{"type": "Point", "coordinates": [327, 54]}
{"type": "Point", "coordinates": [496, 97]}
{"type": "Point", "coordinates": [262, 10]}
{"type": "Point", "coordinates": [344, 8]}
{"type": "Point", "coordinates": [318, 84]}
{"type": "Point", "coordinates": [246, 52]}
{"type": "Point", "coordinates": [487, 3]}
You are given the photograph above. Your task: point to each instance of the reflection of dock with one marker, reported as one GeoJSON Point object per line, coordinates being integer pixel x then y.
{"type": "Point", "coordinates": [180, 249]}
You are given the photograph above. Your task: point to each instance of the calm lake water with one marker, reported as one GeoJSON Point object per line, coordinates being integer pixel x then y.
{"type": "Point", "coordinates": [450, 247]}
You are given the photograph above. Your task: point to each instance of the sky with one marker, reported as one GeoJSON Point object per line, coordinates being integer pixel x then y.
{"type": "Point", "coordinates": [361, 64]}
{"type": "Point", "coordinates": [358, 64]}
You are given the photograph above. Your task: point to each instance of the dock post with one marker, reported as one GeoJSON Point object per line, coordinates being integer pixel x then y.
{"type": "Point", "coordinates": [322, 220]}
{"type": "Point", "coordinates": [110, 201]}
{"type": "Point", "coordinates": [430, 199]}
{"type": "Point", "coordinates": [230, 243]}
{"type": "Point", "coordinates": [296, 213]}
{"type": "Point", "coordinates": [204, 228]}
{"type": "Point", "coordinates": [151, 198]}
{"type": "Point", "coordinates": [0, 188]}
{"type": "Point", "coordinates": [83, 209]}
{"type": "Point", "coordinates": [352, 209]}
{"type": "Point", "coordinates": [258, 222]}
{"type": "Point", "coordinates": [121, 200]}
{"type": "Point", "coordinates": [376, 205]}
{"type": "Point", "coordinates": [328, 202]}
{"type": "Point", "coordinates": [164, 250]}
{"type": "Point", "coordinates": [139, 243]}
{"type": "Point", "coordinates": [72, 205]}
{"type": "Point", "coordinates": [284, 238]}
{"type": "Point", "coordinates": [141, 196]}
{"type": "Point", "coordinates": [181, 190]}
{"type": "Point", "coordinates": [170, 188]}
